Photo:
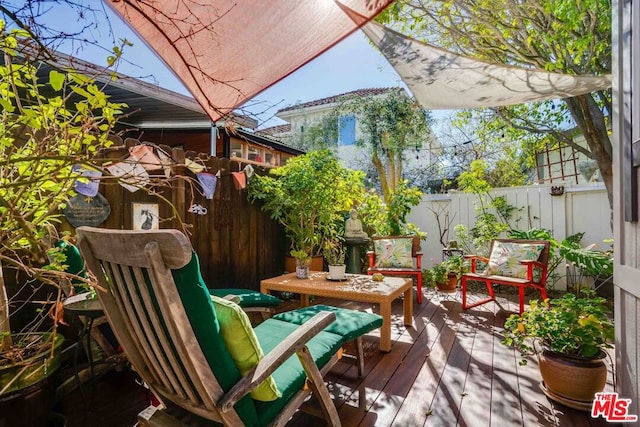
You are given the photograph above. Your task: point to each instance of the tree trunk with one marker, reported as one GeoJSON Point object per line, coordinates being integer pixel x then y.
{"type": "Point", "coordinates": [5, 328]}
{"type": "Point", "coordinates": [590, 120]}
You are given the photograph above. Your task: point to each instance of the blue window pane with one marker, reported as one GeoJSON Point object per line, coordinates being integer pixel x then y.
{"type": "Point", "coordinates": [347, 130]}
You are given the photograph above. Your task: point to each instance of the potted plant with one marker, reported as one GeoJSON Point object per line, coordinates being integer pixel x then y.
{"type": "Point", "coordinates": [40, 142]}
{"type": "Point", "coordinates": [308, 196]}
{"type": "Point", "coordinates": [570, 335]}
{"type": "Point", "coordinates": [303, 259]}
{"type": "Point", "coordinates": [334, 254]}
{"type": "Point", "coordinates": [444, 276]}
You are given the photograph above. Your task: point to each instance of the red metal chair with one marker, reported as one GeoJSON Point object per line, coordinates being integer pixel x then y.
{"type": "Point", "coordinates": [530, 273]}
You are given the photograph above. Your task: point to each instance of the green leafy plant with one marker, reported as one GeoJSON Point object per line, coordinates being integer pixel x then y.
{"type": "Point", "coordinates": [334, 252]}
{"type": "Point", "coordinates": [302, 257]}
{"type": "Point", "coordinates": [309, 196]}
{"type": "Point", "coordinates": [390, 219]}
{"type": "Point", "coordinates": [441, 271]}
{"type": "Point", "coordinates": [573, 325]}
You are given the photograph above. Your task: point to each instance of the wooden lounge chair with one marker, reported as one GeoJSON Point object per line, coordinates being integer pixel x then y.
{"type": "Point", "coordinates": [187, 347]}
{"type": "Point", "coordinates": [511, 262]}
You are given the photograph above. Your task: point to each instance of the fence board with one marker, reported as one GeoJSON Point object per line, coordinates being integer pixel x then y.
{"type": "Point", "coordinates": [237, 243]}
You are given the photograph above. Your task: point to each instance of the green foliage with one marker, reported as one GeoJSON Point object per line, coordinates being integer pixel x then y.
{"type": "Point", "coordinates": [318, 136]}
{"type": "Point", "coordinates": [333, 251]}
{"type": "Point", "coordinates": [595, 263]}
{"type": "Point", "coordinates": [441, 271]}
{"type": "Point", "coordinates": [391, 125]}
{"type": "Point", "coordinates": [41, 138]}
{"type": "Point", "coordinates": [309, 196]}
{"type": "Point", "coordinates": [390, 219]}
{"type": "Point", "coordinates": [577, 326]}
{"type": "Point", "coordinates": [562, 36]}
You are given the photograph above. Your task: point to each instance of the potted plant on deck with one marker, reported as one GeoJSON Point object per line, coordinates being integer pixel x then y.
{"type": "Point", "coordinates": [570, 335]}
{"type": "Point", "coordinates": [444, 275]}
{"type": "Point", "coordinates": [41, 139]}
{"type": "Point", "coordinates": [308, 196]}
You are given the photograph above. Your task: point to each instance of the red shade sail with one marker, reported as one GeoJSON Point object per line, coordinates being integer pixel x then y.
{"type": "Point", "coordinates": [226, 52]}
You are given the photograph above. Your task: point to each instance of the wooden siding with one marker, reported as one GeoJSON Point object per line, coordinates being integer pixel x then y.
{"type": "Point", "coordinates": [626, 131]}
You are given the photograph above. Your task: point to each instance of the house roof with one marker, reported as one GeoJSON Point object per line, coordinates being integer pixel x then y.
{"type": "Point", "coordinates": [275, 130]}
{"type": "Point", "coordinates": [336, 98]}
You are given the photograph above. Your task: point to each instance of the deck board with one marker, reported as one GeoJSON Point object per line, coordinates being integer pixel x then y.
{"type": "Point", "coordinates": [449, 369]}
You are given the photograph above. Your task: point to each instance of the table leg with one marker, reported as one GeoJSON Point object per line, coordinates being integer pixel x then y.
{"type": "Point", "coordinates": [385, 330]}
{"type": "Point", "coordinates": [304, 300]}
{"type": "Point", "coordinates": [407, 305]}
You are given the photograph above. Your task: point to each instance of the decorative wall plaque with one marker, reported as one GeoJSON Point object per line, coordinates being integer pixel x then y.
{"type": "Point", "coordinates": [90, 211]}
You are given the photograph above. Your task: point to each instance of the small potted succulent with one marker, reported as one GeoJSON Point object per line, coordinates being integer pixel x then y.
{"type": "Point", "coordinates": [303, 259]}
{"type": "Point", "coordinates": [569, 335]}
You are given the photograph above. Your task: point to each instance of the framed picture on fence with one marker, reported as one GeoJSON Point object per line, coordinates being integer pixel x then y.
{"type": "Point", "coordinates": [145, 216]}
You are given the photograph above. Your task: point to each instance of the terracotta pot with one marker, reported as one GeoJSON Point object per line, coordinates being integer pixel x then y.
{"type": "Point", "coordinates": [572, 377]}
{"type": "Point", "coordinates": [450, 285]}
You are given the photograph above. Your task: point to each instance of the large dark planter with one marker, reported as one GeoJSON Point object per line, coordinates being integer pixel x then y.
{"type": "Point", "coordinates": [30, 397]}
{"type": "Point", "coordinates": [572, 380]}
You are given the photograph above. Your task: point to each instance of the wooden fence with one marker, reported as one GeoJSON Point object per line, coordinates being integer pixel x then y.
{"type": "Point", "coordinates": [238, 244]}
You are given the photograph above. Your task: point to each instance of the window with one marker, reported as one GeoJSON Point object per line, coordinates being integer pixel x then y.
{"type": "Point", "coordinates": [347, 130]}
{"type": "Point", "coordinates": [237, 149]}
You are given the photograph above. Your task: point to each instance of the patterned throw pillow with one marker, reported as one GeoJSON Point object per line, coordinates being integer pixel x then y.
{"type": "Point", "coordinates": [393, 253]}
{"type": "Point", "coordinates": [506, 256]}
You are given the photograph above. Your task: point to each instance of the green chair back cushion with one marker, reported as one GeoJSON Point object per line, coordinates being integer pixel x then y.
{"type": "Point", "coordinates": [243, 345]}
{"type": "Point", "coordinates": [74, 264]}
{"type": "Point", "coordinates": [202, 317]}
{"type": "Point", "coordinates": [393, 252]}
{"type": "Point", "coordinates": [247, 297]}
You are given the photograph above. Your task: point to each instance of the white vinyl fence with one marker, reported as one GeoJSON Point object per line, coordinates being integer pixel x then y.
{"type": "Point", "coordinates": [580, 208]}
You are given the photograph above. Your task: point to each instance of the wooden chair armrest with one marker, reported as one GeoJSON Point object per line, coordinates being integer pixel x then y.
{"type": "Point", "coordinates": [474, 259]}
{"type": "Point", "coordinates": [271, 361]}
{"type": "Point", "coordinates": [372, 258]}
{"type": "Point", "coordinates": [533, 262]}
{"type": "Point", "coordinates": [530, 264]}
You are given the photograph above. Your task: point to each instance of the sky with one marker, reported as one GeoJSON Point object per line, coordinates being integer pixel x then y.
{"type": "Point", "coordinates": [350, 65]}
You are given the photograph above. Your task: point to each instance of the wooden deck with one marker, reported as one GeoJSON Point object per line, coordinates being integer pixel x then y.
{"type": "Point", "coordinates": [450, 369]}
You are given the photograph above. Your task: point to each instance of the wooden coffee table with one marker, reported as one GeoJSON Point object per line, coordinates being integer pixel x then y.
{"type": "Point", "coordinates": [356, 287]}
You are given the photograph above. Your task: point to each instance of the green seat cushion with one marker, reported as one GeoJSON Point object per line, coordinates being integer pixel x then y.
{"type": "Point", "coordinates": [247, 297]}
{"type": "Point", "coordinates": [349, 324]}
{"type": "Point", "coordinates": [243, 345]}
{"type": "Point", "coordinates": [290, 376]}
{"type": "Point", "coordinates": [202, 317]}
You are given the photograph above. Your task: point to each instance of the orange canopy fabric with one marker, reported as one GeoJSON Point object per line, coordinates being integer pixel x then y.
{"type": "Point", "coordinates": [226, 52]}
